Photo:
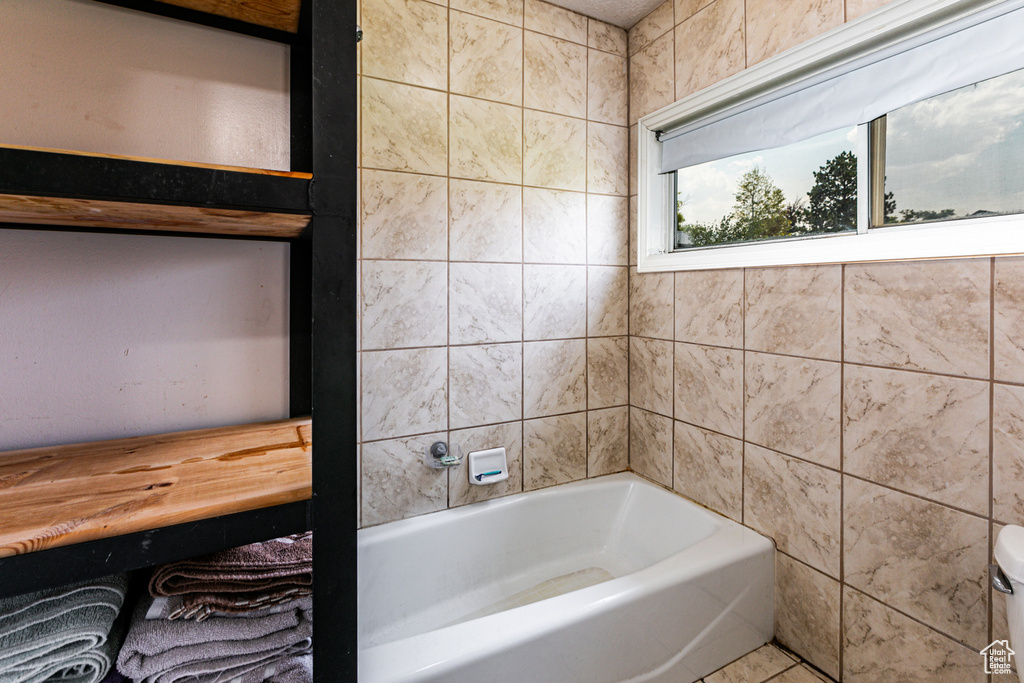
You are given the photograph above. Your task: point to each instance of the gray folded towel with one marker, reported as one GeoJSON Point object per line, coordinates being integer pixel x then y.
{"type": "Point", "coordinates": [215, 650]}
{"type": "Point", "coordinates": [61, 633]}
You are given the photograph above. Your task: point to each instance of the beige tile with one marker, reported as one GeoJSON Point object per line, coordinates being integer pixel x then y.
{"type": "Point", "coordinates": [554, 451]}
{"type": "Point", "coordinates": [801, 674]}
{"type": "Point", "coordinates": [793, 406]}
{"type": "Point", "coordinates": [555, 151]}
{"type": "Point", "coordinates": [607, 159]}
{"type": "Point", "coordinates": [632, 231]}
{"type": "Point", "coordinates": [760, 665]}
{"type": "Point", "coordinates": [709, 46]}
{"type": "Point", "coordinates": [795, 502]}
{"type": "Point", "coordinates": [485, 140]}
{"type": "Point", "coordinates": [406, 41]}
{"type": "Point", "coordinates": [508, 11]}
{"type": "Point", "coordinates": [608, 441]}
{"type": "Point", "coordinates": [508, 436]}
{"type": "Point", "coordinates": [607, 301]}
{"type": "Point", "coordinates": [554, 226]}
{"type": "Point", "coordinates": [485, 221]}
{"type": "Point", "coordinates": [556, 21]}
{"type": "Point", "coordinates": [402, 304]}
{"type": "Point", "coordinates": [650, 375]}
{"type": "Point", "coordinates": [1008, 323]}
{"type": "Point", "coordinates": [880, 644]}
{"type": "Point", "coordinates": [602, 36]}
{"type": "Point", "coordinates": [687, 8]}
{"type": "Point", "coordinates": [651, 78]}
{"type": "Point", "coordinates": [634, 142]}
{"type": "Point", "coordinates": [926, 315]}
{"type": "Point", "coordinates": [807, 613]}
{"type": "Point", "coordinates": [485, 384]}
{"type": "Point", "coordinates": [795, 311]}
{"type": "Point", "coordinates": [709, 387]}
{"type": "Point", "coordinates": [404, 128]}
{"type": "Point", "coordinates": [651, 27]}
{"type": "Point", "coordinates": [651, 304]}
{"type": "Point", "coordinates": [397, 483]}
{"type": "Point", "coordinates": [403, 216]}
{"type": "Point", "coordinates": [922, 434]}
{"type": "Point", "coordinates": [607, 88]}
{"type": "Point", "coordinates": [404, 392]}
{"type": "Point", "coordinates": [554, 302]}
{"type": "Point", "coordinates": [921, 558]}
{"type": "Point", "coordinates": [1000, 625]}
{"type": "Point", "coordinates": [485, 303]}
{"type": "Point", "coordinates": [486, 59]}
{"type": "Point", "coordinates": [709, 307]}
{"type": "Point", "coordinates": [555, 374]}
{"type": "Point", "coordinates": [1008, 454]}
{"type": "Point", "coordinates": [709, 469]}
{"type": "Point", "coordinates": [556, 75]}
{"type": "Point", "coordinates": [774, 27]}
{"type": "Point", "coordinates": [607, 372]}
{"type": "Point", "coordinates": [650, 445]}
{"type": "Point", "coordinates": [858, 8]}
{"type": "Point", "coordinates": [607, 230]}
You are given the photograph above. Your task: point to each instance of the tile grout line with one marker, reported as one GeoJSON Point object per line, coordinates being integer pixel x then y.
{"type": "Point", "coordinates": [448, 255]}
{"type": "Point", "coordinates": [991, 437]}
{"type": "Point", "coordinates": [842, 468]}
{"type": "Point", "coordinates": [522, 250]}
{"type": "Point", "coordinates": [743, 397]}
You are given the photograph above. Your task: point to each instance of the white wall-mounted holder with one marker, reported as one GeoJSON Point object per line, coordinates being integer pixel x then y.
{"type": "Point", "coordinates": [488, 467]}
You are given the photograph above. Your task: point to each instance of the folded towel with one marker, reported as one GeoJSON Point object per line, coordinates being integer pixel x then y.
{"type": "Point", "coordinates": [243, 579]}
{"type": "Point", "coordinates": [216, 650]}
{"type": "Point", "coordinates": [61, 633]}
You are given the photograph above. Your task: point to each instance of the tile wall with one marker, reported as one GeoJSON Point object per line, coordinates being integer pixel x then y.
{"type": "Point", "coordinates": [494, 227]}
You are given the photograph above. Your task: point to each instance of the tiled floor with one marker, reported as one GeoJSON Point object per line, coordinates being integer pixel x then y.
{"type": "Point", "coordinates": [767, 663]}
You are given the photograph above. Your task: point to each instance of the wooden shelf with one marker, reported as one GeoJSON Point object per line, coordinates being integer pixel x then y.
{"type": "Point", "coordinates": [63, 495]}
{"type": "Point", "coordinates": [280, 15]}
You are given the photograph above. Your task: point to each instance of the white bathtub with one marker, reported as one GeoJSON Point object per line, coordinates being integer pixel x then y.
{"type": "Point", "coordinates": [684, 590]}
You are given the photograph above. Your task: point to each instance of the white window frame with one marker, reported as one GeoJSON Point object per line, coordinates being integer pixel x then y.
{"type": "Point", "coordinates": [890, 24]}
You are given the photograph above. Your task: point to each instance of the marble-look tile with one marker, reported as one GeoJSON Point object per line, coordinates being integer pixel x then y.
{"type": "Point", "coordinates": [607, 301]}
{"type": "Point", "coordinates": [760, 665]}
{"type": "Point", "coordinates": [555, 75]}
{"type": "Point", "coordinates": [607, 441]}
{"type": "Point", "coordinates": [607, 230]}
{"type": "Point", "coordinates": [709, 307]}
{"type": "Point", "coordinates": [709, 469]}
{"type": "Point", "coordinates": [922, 434]}
{"type": "Point", "coordinates": [555, 377]}
{"type": "Point", "coordinates": [485, 221]}
{"type": "Point", "coordinates": [554, 226]}
{"type": "Point", "coordinates": [486, 140]}
{"type": "Point", "coordinates": [774, 27]}
{"type": "Point", "coordinates": [650, 445]}
{"type": "Point", "coordinates": [404, 128]}
{"type": "Point", "coordinates": [507, 11]}
{"type": "Point", "coordinates": [687, 8]}
{"type": "Point", "coordinates": [1000, 624]}
{"type": "Point", "coordinates": [858, 8]}
{"type": "Point", "coordinates": [406, 41]}
{"type": "Point", "coordinates": [924, 315]}
{"type": "Point", "coordinates": [632, 230]}
{"type": "Point", "coordinates": [404, 392]}
{"type": "Point", "coordinates": [555, 450]}
{"type": "Point", "coordinates": [801, 674]}
{"type": "Point", "coordinates": [555, 151]}
{"type": "Point", "coordinates": [607, 159]}
{"type": "Point", "coordinates": [485, 303]}
{"type": "Point", "coordinates": [651, 78]}
{"type": "Point", "coordinates": [403, 302]}
{"type": "Point", "coordinates": [607, 372]}
{"type": "Point", "coordinates": [634, 143]}
{"type": "Point", "coordinates": [607, 88]}
{"type": "Point", "coordinates": [486, 59]}
{"type": "Point", "coordinates": [880, 644]}
{"type": "Point", "coordinates": [485, 384]}
{"type": "Point", "coordinates": [710, 46]}
{"type": "Point", "coordinates": [795, 502]}
{"type": "Point", "coordinates": [709, 387]}
{"type": "Point", "coordinates": [1008, 322]}
{"type": "Point", "coordinates": [651, 304]}
{"type": "Point", "coordinates": [556, 21]}
{"type": "Point", "coordinates": [397, 483]}
{"type": "Point", "coordinates": [793, 406]}
{"type": "Point", "coordinates": [651, 27]}
{"type": "Point", "coordinates": [1008, 454]}
{"type": "Point", "coordinates": [602, 36]}
{"type": "Point", "coordinates": [403, 216]}
{"type": "Point", "coordinates": [508, 436]}
{"type": "Point", "coordinates": [554, 302]}
{"type": "Point", "coordinates": [650, 375]}
{"type": "Point", "coordinates": [795, 311]}
{"type": "Point", "coordinates": [807, 613]}
{"type": "Point", "coordinates": [921, 558]}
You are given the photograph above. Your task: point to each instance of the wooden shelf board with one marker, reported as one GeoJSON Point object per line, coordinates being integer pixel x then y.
{"type": "Point", "coordinates": [62, 495]}
{"type": "Point", "coordinates": [281, 15]}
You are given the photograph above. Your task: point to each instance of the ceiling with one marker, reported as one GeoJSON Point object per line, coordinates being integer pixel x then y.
{"type": "Point", "coordinates": [622, 13]}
